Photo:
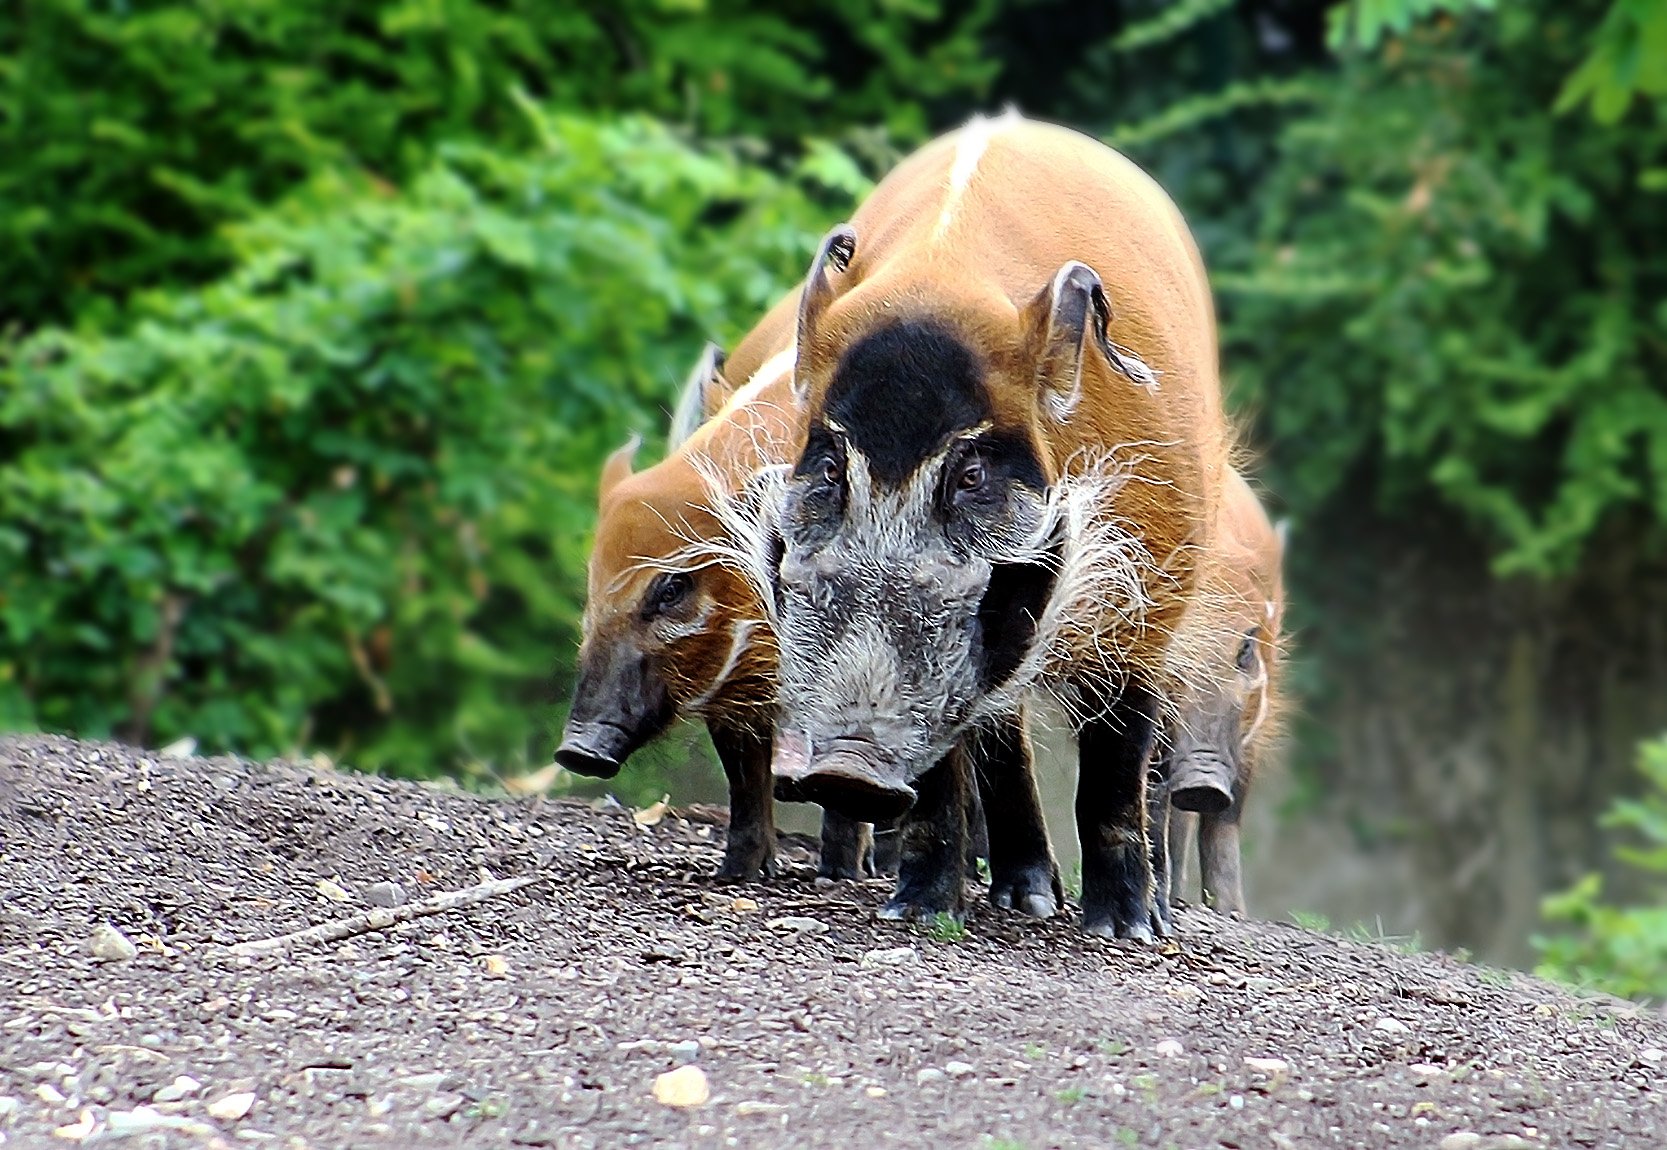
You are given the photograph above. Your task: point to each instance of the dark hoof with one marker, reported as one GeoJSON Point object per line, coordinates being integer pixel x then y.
{"type": "Point", "coordinates": [1033, 890]}
{"type": "Point", "coordinates": [747, 866]}
{"type": "Point", "coordinates": [842, 871]}
{"type": "Point", "coordinates": [1145, 926]}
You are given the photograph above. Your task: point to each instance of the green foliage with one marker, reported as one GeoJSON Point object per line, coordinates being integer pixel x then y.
{"type": "Point", "coordinates": [342, 498]}
{"type": "Point", "coordinates": [1620, 949]}
{"type": "Point", "coordinates": [1452, 289]}
{"type": "Point", "coordinates": [1365, 23]}
{"type": "Point", "coordinates": [1629, 55]}
{"type": "Point", "coordinates": [133, 132]}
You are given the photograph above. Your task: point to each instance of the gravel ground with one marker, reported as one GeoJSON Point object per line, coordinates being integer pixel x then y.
{"type": "Point", "coordinates": [553, 1015]}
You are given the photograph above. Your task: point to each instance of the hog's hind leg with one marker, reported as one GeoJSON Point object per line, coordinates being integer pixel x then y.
{"type": "Point", "coordinates": [847, 847]}
{"type": "Point", "coordinates": [1023, 872]}
{"type": "Point", "coordinates": [931, 871]}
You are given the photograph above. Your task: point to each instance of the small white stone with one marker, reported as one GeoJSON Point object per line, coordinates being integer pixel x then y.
{"type": "Point", "coordinates": [922, 1077]}
{"type": "Point", "coordinates": [179, 1088]}
{"type": "Point", "coordinates": [874, 1091]}
{"type": "Point", "coordinates": [50, 1094]}
{"type": "Point", "coordinates": [959, 1069]}
{"type": "Point", "coordinates": [1391, 1026]}
{"type": "Point", "coordinates": [1169, 1048]}
{"type": "Point", "coordinates": [1652, 1054]}
{"type": "Point", "coordinates": [890, 956]}
{"type": "Point", "coordinates": [1236, 1102]}
{"type": "Point", "coordinates": [798, 924]}
{"type": "Point", "coordinates": [1270, 1066]}
{"type": "Point", "coordinates": [1427, 1069]}
{"type": "Point", "coordinates": [1463, 1140]}
{"type": "Point", "coordinates": [110, 945]}
{"type": "Point", "coordinates": [231, 1107]}
{"type": "Point", "coordinates": [332, 890]}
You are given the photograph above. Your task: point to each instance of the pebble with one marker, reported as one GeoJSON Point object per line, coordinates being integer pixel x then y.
{"type": "Point", "coordinates": [78, 1131]}
{"type": "Point", "coordinates": [332, 890]}
{"type": "Point", "coordinates": [959, 1069]}
{"type": "Point", "coordinates": [686, 1051]}
{"type": "Point", "coordinates": [495, 965]}
{"type": "Point", "coordinates": [684, 1087]}
{"type": "Point", "coordinates": [798, 924]}
{"type": "Point", "coordinates": [871, 1091]}
{"type": "Point", "coordinates": [890, 956]}
{"type": "Point", "coordinates": [1236, 1102]}
{"type": "Point", "coordinates": [1391, 1026]}
{"type": "Point", "coordinates": [1427, 1069]}
{"type": "Point", "coordinates": [8, 1107]}
{"type": "Point", "coordinates": [922, 1077]}
{"type": "Point", "coordinates": [177, 1089]}
{"type": "Point", "coordinates": [752, 1107]}
{"type": "Point", "coordinates": [139, 1120]}
{"type": "Point", "coordinates": [1652, 1055]}
{"type": "Point", "coordinates": [1462, 1140]}
{"type": "Point", "coordinates": [1169, 1048]}
{"type": "Point", "coordinates": [384, 894]}
{"type": "Point", "coordinates": [110, 945]}
{"type": "Point", "coordinates": [232, 1106]}
{"type": "Point", "coordinates": [442, 1106]}
{"type": "Point", "coordinates": [1273, 1066]}
{"type": "Point", "coordinates": [50, 1094]}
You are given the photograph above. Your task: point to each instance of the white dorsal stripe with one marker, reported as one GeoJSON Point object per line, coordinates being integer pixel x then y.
{"type": "Point", "coordinates": [969, 149]}
{"type": "Point", "coordinates": [771, 370]}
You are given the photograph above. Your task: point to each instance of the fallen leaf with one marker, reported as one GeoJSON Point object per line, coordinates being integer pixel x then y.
{"type": "Point", "coordinates": [686, 1087]}
{"type": "Point", "coordinates": [650, 816]}
{"type": "Point", "coordinates": [534, 783]}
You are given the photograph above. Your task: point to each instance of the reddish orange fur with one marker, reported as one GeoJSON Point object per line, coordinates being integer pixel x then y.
{"type": "Point", "coordinates": [982, 273]}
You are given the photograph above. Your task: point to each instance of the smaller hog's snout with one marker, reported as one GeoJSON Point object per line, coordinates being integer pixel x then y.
{"type": "Point", "coordinates": [596, 749]}
{"type": "Point", "coordinates": [1201, 781]}
{"type": "Point", "coordinates": [850, 775]}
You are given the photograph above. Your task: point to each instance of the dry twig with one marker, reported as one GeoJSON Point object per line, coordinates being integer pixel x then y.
{"type": "Point", "coordinates": [381, 918]}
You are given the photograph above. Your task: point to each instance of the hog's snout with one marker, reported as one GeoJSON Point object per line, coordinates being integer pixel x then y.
{"type": "Point", "coordinates": [1201, 781]}
{"type": "Point", "coordinates": [595, 749]}
{"type": "Point", "coordinates": [621, 703]}
{"type": "Point", "coordinates": [850, 775]}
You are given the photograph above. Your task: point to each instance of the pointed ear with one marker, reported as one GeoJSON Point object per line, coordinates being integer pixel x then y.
{"type": "Point", "coordinates": [704, 393]}
{"type": "Point", "coordinates": [833, 257]}
{"type": "Point", "coordinates": [1069, 319]}
{"type": "Point", "coordinates": [618, 467]}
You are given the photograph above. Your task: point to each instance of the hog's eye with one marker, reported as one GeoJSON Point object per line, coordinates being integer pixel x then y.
{"type": "Point", "coordinates": [1247, 652]}
{"type": "Point", "coordinates": [667, 591]}
{"type": "Point", "coordinates": [972, 477]}
{"type": "Point", "coordinates": [830, 470]}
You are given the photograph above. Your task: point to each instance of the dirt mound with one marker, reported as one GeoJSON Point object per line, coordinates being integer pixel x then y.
{"type": "Point", "coordinates": [544, 1016]}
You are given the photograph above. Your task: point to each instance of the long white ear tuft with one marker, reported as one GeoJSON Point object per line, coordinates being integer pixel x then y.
{"type": "Point", "coordinates": [1065, 319]}
{"type": "Point", "coordinates": [704, 392]}
{"type": "Point", "coordinates": [618, 467]}
{"type": "Point", "coordinates": [834, 256]}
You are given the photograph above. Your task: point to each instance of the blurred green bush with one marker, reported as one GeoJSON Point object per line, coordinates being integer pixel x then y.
{"type": "Point", "coordinates": [342, 498]}
{"type": "Point", "coordinates": [133, 132]}
{"type": "Point", "coordinates": [1619, 948]}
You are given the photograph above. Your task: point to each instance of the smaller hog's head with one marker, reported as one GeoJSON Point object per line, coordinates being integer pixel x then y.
{"type": "Point", "coordinates": [667, 629]}
{"type": "Point", "coordinates": [1216, 730]}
